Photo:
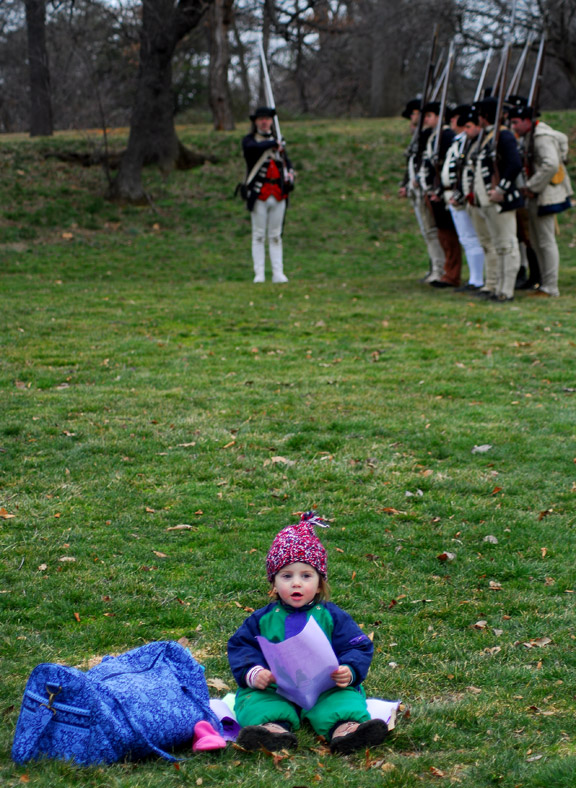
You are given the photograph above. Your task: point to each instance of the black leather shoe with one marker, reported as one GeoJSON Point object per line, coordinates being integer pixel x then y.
{"type": "Point", "coordinates": [500, 299]}
{"type": "Point", "coordinates": [440, 283]}
{"type": "Point", "coordinates": [467, 288]}
{"type": "Point", "coordinates": [529, 284]}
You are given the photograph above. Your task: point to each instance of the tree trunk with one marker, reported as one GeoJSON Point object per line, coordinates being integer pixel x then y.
{"type": "Point", "coordinates": [242, 60]}
{"type": "Point", "coordinates": [152, 133]}
{"type": "Point", "coordinates": [220, 104]}
{"type": "Point", "coordinates": [41, 124]}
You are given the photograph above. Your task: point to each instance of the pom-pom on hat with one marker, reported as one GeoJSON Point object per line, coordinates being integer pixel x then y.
{"type": "Point", "coordinates": [298, 543]}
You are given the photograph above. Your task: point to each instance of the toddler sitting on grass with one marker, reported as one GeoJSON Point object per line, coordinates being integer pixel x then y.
{"type": "Point", "coordinates": [296, 568]}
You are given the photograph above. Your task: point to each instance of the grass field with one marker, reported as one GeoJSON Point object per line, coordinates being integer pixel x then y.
{"type": "Point", "coordinates": [145, 383]}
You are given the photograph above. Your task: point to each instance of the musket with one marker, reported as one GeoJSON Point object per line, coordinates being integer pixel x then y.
{"type": "Point", "coordinates": [438, 81]}
{"type": "Point", "coordinates": [443, 100]}
{"type": "Point", "coordinates": [482, 80]}
{"type": "Point", "coordinates": [427, 82]}
{"type": "Point", "coordinates": [533, 101]}
{"type": "Point", "coordinates": [534, 95]}
{"type": "Point", "coordinates": [520, 66]}
{"type": "Point", "coordinates": [268, 91]}
{"type": "Point", "coordinates": [505, 60]}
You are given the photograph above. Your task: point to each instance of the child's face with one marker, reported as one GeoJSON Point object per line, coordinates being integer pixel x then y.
{"type": "Point", "coordinates": [297, 584]}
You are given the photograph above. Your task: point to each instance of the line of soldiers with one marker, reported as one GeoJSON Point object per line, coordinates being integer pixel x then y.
{"type": "Point", "coordinates": [493, 190]}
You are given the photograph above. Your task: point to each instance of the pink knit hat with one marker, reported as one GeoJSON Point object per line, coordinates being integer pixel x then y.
{"type": "Point", "coordinates": [298, 543]}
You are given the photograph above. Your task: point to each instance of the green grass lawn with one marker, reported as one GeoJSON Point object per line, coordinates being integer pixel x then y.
{"type": "Point", "coordinates": [145, 382]}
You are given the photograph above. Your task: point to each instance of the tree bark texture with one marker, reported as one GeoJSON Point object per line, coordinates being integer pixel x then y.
{"type": "Point", "coordinates": [152, 133]}
{"type": "Point", "coordinates": [220, 103]}
{"type": "Point", "coordinates": [41, 123]}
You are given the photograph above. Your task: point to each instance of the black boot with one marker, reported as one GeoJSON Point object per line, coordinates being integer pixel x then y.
{"type": "Point", "coordinates": [534, 279]}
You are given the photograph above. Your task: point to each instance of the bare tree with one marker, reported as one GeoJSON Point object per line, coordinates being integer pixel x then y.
{"type": "Point", "coordinates": [41, 124]}
{"type": "Point", "coordinates": [152, 133]}
{"type": "Point", "coordinates": [220, 19]}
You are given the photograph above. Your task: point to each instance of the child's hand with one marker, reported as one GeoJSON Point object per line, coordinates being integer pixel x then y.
{"type": "Point", "coordinates": [263, 679]}
{"type": "Point", "coordinates": [342, 676]}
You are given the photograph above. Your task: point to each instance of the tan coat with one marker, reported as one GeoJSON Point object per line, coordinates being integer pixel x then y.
{"type": "Point", "coordinates": [550, 154]}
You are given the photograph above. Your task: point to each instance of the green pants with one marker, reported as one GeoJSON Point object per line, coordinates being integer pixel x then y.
{"type": "Point", "coordinates": [255, 707]}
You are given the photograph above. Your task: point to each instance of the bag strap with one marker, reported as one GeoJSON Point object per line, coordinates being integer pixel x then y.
{"type": "Point", "coordinates": [158, 750]}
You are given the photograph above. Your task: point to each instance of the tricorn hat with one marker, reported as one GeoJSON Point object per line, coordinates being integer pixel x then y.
{"type": "Point", "coordinates": [263, 112]}
{"type": "Point", "coordinates": [521, 111]}
{"type": "Point", "coordinates": [410, 107]}
{"type": "Point", "coordinates": [468, 116]}
{"type": "Point", "coordinates": [486, 108]}
{"type": "Point", "coordinates": [432, 106]}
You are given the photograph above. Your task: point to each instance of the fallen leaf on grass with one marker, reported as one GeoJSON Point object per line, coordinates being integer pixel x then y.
{"type": "Point", "coordinates": [482, 449]}
{"type": "Point", "coordinates": [490, 539]}
{"type": "Point", "coordinates": [182, 527]}
{"type": "Point", "coordinates": [43, 567]}
{"type": "Point", "coordinates": [492, 651]}
{"type": "Point", "coordinates": [445, 556]}
{"type": "Point", "coordinates": [158, 554]}
{"type": "Point", "coordinates": [245, 609]}
{"type": "Point", "coordinates": [277, 461]}
{"type": "Point", "coordinates": [496, 490]}
{"type": "Point", "coordinates": [436, 772]}
{"type": "Point", "coordinates": [217, 684]}
{"type": "Point", "coordinates": [391, 510]}
{"type": "Point", "coordinates": [4, 514]}
{"type": "Point", "coordinates": [67, 559]}
{"type": "Point", "coordinates": [494, 586]}
{"type": "Point", "coordinates": [480, 625]}
{"type": "Point", "coordinates": [545, 513]}
{"type": "Point", "coordinates": [380, 763]}
{"type": "Point", "coordinates": [150, 510]}
{"type": "Point", "coordinates": [543, 551]}
{"type": "Point", "coordinates": [228, 445]}
{"type": "Point", "coordinates": [77, 617]}
{"type": "Point", "coordinates": [534, 758]}
{"type": "Point", "coordinates": [474, 690]}
{"type": "Point", "coordinates": [538, 642]}
{"type": "Point", "coordinates": [24, 778]}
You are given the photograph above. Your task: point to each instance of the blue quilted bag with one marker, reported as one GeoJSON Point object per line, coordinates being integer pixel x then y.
{"type": "Point", "coordinates": [142, 703]}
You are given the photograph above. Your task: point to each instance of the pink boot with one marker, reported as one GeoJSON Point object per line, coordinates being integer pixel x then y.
{"type": "Point", "coordinates": [206, 738]}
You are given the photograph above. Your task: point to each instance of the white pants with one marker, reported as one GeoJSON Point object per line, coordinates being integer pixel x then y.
{"type": "Point", "coordinates": [472, 246]}
{"type": "Point", "coordinates": [268, 215]}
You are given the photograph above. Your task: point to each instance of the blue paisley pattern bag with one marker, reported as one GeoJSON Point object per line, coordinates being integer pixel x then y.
{"type": "Point", "coordinates": [141, 703]}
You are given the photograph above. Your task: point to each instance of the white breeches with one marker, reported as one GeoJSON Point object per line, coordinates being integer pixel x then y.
{"type": "Point", "coordinates": [267, 218]}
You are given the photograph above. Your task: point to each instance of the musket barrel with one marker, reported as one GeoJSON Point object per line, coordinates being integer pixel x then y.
{"type": "Point", "coordinates": [268, 89]}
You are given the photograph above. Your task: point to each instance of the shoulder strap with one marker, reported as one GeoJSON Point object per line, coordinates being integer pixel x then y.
{"type": "Point", "coordinates": [253, 172]}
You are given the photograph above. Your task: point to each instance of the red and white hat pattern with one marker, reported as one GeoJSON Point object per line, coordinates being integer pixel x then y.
{"type": "Point", "coordinates": [298, 543]}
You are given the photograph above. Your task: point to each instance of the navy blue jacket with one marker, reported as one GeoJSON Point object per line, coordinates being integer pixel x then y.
{"type": "Point", "coordinates": [253, 150]}
{"type": "Point", "coordinates": [509, 163]}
